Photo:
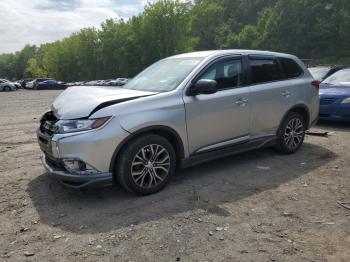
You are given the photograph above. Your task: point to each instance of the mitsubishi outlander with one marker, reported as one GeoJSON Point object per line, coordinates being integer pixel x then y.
{"type": "Point", "coordinates": [180, 111]}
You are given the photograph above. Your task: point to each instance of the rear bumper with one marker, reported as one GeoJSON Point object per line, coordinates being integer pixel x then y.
{"type": "Point", "coordinates": [77, 181]}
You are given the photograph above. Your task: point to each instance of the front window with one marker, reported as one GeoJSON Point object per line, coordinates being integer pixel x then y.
{"type": "Point", "coordinates": [227, 73]}
{"type": "Point", "coordinates": [163, 76]}
{"type": "Point", "coordinates": [341, 77]}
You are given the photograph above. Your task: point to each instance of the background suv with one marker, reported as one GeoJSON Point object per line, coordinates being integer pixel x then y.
{"type": "Point", "coordinates": [180, 111]}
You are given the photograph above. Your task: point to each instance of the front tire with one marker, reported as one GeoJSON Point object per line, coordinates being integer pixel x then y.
{"type": "Point", "coordinates": [146, 164]}
{"type": "Point", "coordinates": [291, 133]}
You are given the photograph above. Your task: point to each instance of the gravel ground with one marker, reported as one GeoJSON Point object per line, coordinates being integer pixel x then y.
{"type": "Point", "coordinates": [257, 206]}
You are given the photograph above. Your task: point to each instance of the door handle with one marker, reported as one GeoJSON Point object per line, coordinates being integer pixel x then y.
{"type": "Point", "coordinates": [242, 102]}
{"type": "Point", "coordinates": [286, 94]}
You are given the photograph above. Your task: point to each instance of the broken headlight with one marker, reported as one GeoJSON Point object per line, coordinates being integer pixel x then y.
{"type": "Point", "coordinates": [78, 125]}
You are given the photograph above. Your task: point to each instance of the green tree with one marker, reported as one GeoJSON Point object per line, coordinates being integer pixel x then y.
{"type": "Point", "coordinates": [33, 69]}
{"type": "Point", "coordinates": [166, 27]}
{"type": "Point", "coordinates": [317, 29]}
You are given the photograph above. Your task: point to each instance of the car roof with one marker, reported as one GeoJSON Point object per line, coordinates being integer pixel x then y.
{"type": "Point", "coordinates": [344, 69]}
{"type": "Point", "coordinates": [204, 54]}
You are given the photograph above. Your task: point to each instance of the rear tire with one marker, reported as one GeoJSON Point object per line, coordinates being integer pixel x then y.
{"type": "Point", "coordinates": [146, 164]}
{"type": "Point", "coordinates": [291, 133]}
{"type": "Point", "coordinates": [7, 89]}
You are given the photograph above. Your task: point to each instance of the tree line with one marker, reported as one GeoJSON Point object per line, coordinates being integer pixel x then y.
{"type": "Point", "coordinates": [312, 29]}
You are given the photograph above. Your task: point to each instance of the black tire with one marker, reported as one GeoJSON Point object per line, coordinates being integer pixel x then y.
{"type": "Point", "coordinates": [129, 163]}
{"type": "Point", "coordinates": [7, 89]}
{"type": "Point", "coordinates": [291, 133]}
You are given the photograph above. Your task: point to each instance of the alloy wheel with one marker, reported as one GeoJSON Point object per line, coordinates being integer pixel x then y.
{"type": "Point", "coordinates": [150, 166]}
{"type": "Point", "coordinates": [294, 133]}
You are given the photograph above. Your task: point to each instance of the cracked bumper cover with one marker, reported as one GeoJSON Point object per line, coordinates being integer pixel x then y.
{"type": "Point", "coordinates": [94, 148]}
{"type": "Point", "coordinates": [77, 181]}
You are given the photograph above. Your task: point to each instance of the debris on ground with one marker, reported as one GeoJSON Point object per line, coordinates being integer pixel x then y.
{"type": "Point", "coordinates": [263, 167]}
{"type": "Point", "coordinates": [344, 205]}
{"type": "Point", "coordinates": [28, 253]}
{"type": "Point", "coordinates": [320, 134]}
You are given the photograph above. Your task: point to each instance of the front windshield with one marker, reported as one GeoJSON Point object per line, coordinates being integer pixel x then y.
{"type": "Point", "coordinates": [341, 77]}
{"type": "Point", "coordinates": [319, 72]}
{"type": "Point", "coordinates": [164, 75]}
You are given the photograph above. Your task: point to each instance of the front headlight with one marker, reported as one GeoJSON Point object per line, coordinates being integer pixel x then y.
{"type": "Point", "coordinates": [346, 101]}
{"type": "Point", "coordinates": [78, 125]}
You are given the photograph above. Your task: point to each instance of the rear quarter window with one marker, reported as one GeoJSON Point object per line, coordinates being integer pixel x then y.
{"type": "Point", "coordinates": [291, 68]}
{"type": "Point", "coordinates": [264, 70]}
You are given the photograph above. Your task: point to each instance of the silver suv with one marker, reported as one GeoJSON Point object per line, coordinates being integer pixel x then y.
{"type": "Point", "coordinates": [180, 111]}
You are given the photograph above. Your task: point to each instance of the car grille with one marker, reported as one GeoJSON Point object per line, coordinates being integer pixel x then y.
{"type": "Point", "coordinates": [327, 101]}
{"type": "Point", "coordinates": [47, 124]}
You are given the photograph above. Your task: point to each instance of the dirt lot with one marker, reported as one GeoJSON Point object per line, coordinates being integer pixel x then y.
{"type": "Point", "coordinates": [259, 206]}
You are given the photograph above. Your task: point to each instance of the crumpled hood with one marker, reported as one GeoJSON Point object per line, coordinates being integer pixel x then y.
{"type": "Point", "coordinates": [334, 90]}
{"type": "Point", "coordinates": [81, 101]}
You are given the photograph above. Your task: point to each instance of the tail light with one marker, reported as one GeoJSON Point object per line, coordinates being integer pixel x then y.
{"type": "Point", "coordinates": [316, 84]}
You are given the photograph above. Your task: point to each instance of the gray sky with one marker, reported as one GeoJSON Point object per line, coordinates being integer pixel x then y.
{"type": "Point", "coordinates": [40, 21]}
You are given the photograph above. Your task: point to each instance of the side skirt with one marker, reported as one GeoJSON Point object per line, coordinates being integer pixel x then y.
{"type": "Point", "coordinates": [202, 157]}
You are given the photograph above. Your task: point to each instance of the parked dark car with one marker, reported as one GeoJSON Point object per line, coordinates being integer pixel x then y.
{"type": "Point", "coordinates": [39, 80]}
{"type": "Point", "coordinates": [320, 73]}
{"type": "Point", "coordinates": [51, 84]}
{"type": "Point", "coordinates": [117, 82]}
{"type": "Point", "coordinates": [335, 97]}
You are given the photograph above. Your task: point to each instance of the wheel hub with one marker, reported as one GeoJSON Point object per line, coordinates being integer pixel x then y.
{"type": "Point", "coordinates": [149, 165]}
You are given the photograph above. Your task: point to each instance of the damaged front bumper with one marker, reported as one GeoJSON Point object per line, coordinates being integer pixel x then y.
{"type": "Point", "coordinates": [81, 159]}
{"type": "Point", "coordinates": [74, 180]}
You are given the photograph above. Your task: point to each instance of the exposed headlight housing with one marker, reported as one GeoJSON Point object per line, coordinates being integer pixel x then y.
{"type": "Point", "coordinates": [78, 125]}
{"type": "Point", "coordinates": [346, 101]}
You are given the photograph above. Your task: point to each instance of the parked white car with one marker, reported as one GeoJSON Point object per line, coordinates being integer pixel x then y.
{"type": "Point", "coordinates": [30, 84]}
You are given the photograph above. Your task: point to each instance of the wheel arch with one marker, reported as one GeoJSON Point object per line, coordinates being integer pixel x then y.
{"type": "Point", "coordinates": [301, 109]}
{"type": "Point", "coordinates": [169, 133]}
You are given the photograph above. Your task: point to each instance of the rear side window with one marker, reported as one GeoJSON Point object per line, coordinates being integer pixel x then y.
{"type": "Point", "coordinates": [290, 67]}
{"type": "Point", "coordinates": [264, 70]}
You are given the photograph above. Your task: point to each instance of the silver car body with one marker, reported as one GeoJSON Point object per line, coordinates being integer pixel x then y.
{"type": "Point", "coordinates": [7, 85]}
{"type": "Point", "coordinates": [199, 124]}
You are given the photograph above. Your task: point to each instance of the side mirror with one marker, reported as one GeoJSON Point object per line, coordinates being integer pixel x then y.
{"type": "Point", "coordinates": [204, 87]}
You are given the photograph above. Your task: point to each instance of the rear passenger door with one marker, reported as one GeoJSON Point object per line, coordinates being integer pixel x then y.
{"type": "Point", "coordinates": [271, 96]}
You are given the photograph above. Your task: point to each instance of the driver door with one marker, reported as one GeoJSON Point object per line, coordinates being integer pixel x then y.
{"type": "Point", "coordinates": [220, 119]}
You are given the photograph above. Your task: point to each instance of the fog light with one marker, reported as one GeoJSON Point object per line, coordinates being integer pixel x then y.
{"type": "Point", "coordinates": [78, 167]}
